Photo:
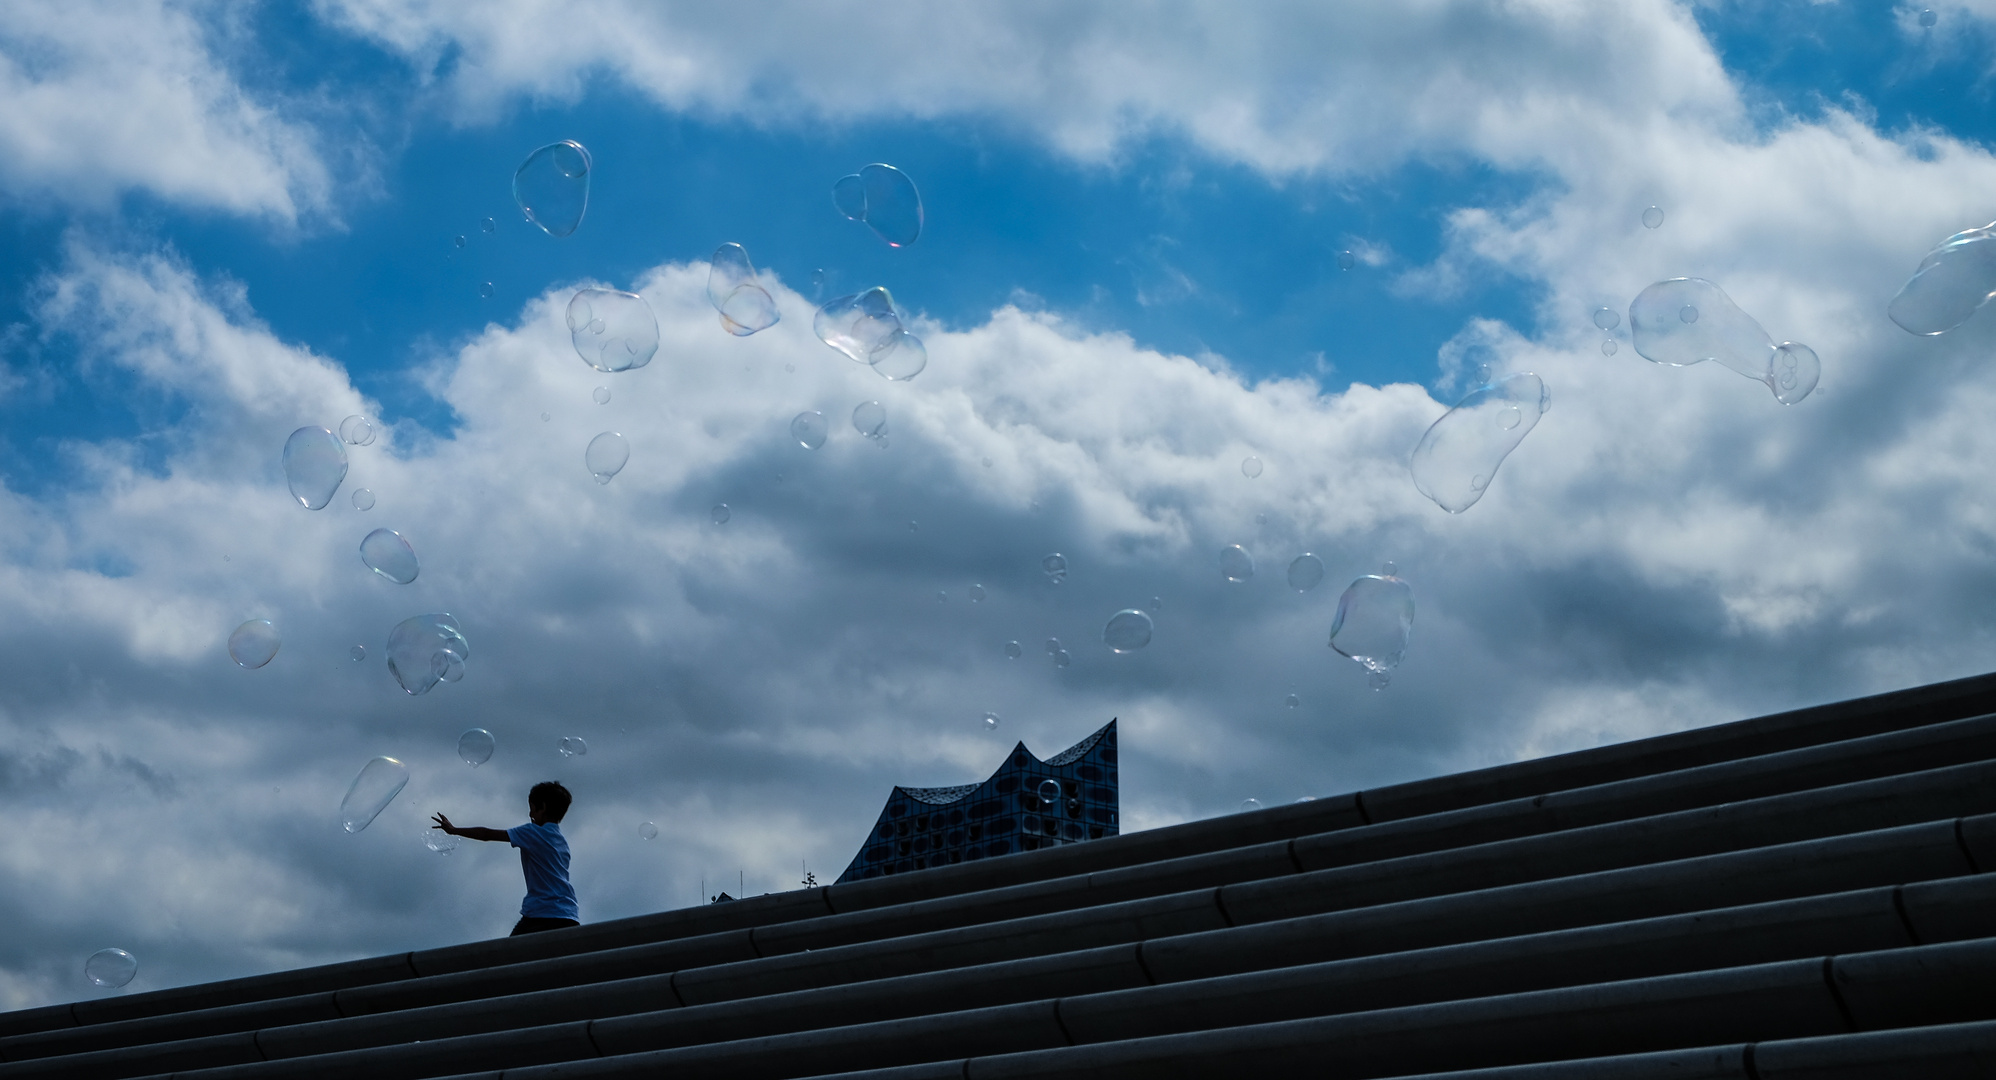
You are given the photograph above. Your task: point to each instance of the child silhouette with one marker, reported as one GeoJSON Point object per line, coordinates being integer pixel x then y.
{"type": "Point", "coordinates": [550, 902]}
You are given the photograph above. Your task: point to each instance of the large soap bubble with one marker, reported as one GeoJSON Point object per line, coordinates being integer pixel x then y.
{"type": "Point", "coordinates": [475, 746]}
{"type": "Point", "coordinates": [314, 465]}
{"type": "Point", "coordinates": [552, 187]}
{"type": "Point", "coordinates": [1458, 456]}
{"type": "Point", "coordinates": [612, 331]}
{"type": "Point", "coordinates": [1955, 279]}
{"type": "Point", "coordinates": [809, 429]}
{"type": "Point", "coordinates": [1128, 630]}
{"type": "Point", "coordinates": [606, 456]}
{"type": "Point", "coordinates": [1685, 321]}
{"type": "Point", "coordinates": [866, 328]}
{"type": "Point", "coordinates": [373, 788]}
{"type": "Point", "coordinates": [254, 643]}
{"type": "Point", "coordinates": [422, 648]}
{"type": "Point", "coordinates": [884, 198]}
{"type": "Point", "coordinates": [745, 306]}
{"type": "Point", "coordinates": [110, 968]}
{"type": "Point", "coordinates": [1374, 618]}
{"type": "Point", "coordinates": [386, 553]}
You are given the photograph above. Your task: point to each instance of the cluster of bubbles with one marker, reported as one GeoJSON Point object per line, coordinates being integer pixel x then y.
{"type": "Point", "coordinates": [885, 199]}
{"type": "Point", "coordinates": [612, 330]}
{"type": "Point", "coordinates": [867, 328]}
{"type": "Point", "coordinates": [1058, 652]}
{"type": "Point", "coordinates": [439, 841]}
{"type": "Point", "coordinates": [1686, 321]}
{"type": "Point", "coordinates": [745, 306]}
{"type": "Point", "coordinates": [424, 650]}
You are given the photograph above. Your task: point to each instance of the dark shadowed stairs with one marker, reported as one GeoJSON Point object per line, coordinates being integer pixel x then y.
{"type": "Point", "coordinates": [1811, 894]}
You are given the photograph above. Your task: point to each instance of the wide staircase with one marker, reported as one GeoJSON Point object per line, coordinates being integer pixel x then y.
{"type": "Point", "coordinates": [1801, 895]}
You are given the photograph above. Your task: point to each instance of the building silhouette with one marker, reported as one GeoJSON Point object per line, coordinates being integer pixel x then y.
{"type": "Point", "coordinates": [1028, 804]}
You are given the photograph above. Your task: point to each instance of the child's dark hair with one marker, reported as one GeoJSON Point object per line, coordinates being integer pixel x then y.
{"type": "Point", "coordinates": [550, 797]}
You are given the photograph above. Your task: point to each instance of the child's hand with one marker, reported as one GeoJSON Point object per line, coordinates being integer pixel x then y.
{"type": "Point", "coordinates": [444, 824]}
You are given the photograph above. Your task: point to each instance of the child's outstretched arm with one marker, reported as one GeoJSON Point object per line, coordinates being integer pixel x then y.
{"type": "Point", "coordinates": [472, 833]}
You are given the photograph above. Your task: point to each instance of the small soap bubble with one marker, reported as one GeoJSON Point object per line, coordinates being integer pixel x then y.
{"type": "Point", "coordinates": [1291, 702]}
{"type": "Point", "coordinates": [720, 513]}
{"type": "Point", "coordinates": [1251, 467]}
{"type": "Point", "coordinates": [373, 788]}
{"type": "Point", "coordinates": [488, 225]}
{"type": "Point", "coordinates": [1250, 804]}
{"type": "Point", "coordinates": [110, 968]}
{"type": "Point", "coordinates": [1052, 645]}
{"type": "Point", "coordinates": [977, 594]}
{"type": "Point", "coordinates": [1374, 617]}
{"type": "Point", "coordinates": [413, 646]}
{"type": "Point", "coordinates": [991, 721]}
{"type": "Point", "coordinates": [552, 187]}
{"type": "Point", "coordinates": [357, 653]}
{"type": "Point", "coordinates": [942, 596]}
{"type": "Point", "coordinates": [1607, 318]}
{"type": "Point", "coordinates": [357, 431]}
{"type": "Point", "coordinates": [1458, 456]}
{"type": "Point", "coordinates": [809, 429]}
{"type": "Point", "coordinates": [1305, 571]}
{"type": "Point", "coordinates": [446, 665]}
{"type": "Point", "coordinates": [601, 394]}
{"type": "Point", "coordinates": [1061, 659]}
{"type": "Point", "coordinates": [745, 306]}
{"type": "Point", "coordinates": [869, 418]}
{"type": "Point", "coordinates": [1055, 567]}
{"type": "Point", "coordinates": [1346, 260]}
{"type": "Point", "coordinates": [900, 357]}
{"type": "Point", "coordinates": [314, 465]}
{"type": "Point", "coordinates": [386, 553]}
{"type": "Point", "coordinates": [572, 746]}
{"type": "Point", "coordinates": [884, 198]}
{"type": "Point", "coordinates": [1128, 630]}
{"type": "Point", "coordinates": [545, 417]}
{"type": "Point", "coordinates": [1049, 791]}
{"type": "Point", "coordinates": [818, 279]}
{"type": "Point", "coordinates": [439, 841]}
{"type": "Point", "coordinates": [607, 455]}
{"type": "Point", "coordinates": [475, 746]}
{"type": "Point", "coordinates": [648, 831]}
{"type": "Point", "coordinates": [1717, 330]}
{"type": "Point", "coordinates": [866, 328]}
{"type": "Point", "coordinates": [611, 330]}
{"type": "Point", "coordinates": [363, 499]}
{"type": "Point", "coordinates": [1013, 650]}
{"type": "Point", "coordinates": [1955, 279]}
{"type": "Point", "coordinates": [485, 290]}
{"type": "Point", "coordinates": [457, 241]}
{"type": "Point", "coordinates": [1795, 372]}
{"type": "Point", "coordinates": [254, 643]}
{"type": "Point", "coordinates": [1687, 313]}
{"type": "Point", "coordinates": [1609, 348]}
{"type": "Point", "coordinates": [1236, 563]}
{"type": "Point", "coordinates": [914, 526]}
{"type": "Point", "coordinates": [1389, 569]}
{"type": "Point", "coordinates": [1927, 17]}
{"type": "Point", "coordinates": [1652, 217]}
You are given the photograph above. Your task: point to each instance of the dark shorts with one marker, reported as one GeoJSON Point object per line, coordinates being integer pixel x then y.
{"type": "Point", "coordinates": [530, 925]}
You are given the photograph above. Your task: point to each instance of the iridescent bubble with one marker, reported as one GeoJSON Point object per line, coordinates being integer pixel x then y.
{"type": "Point", "coordinates": [386, 553]}
{"type": "Point", "coordinates": [745, 306]}
{"type": "Point", "coordinates": [357, 653]}
{"type": "Point", "coordinates": [648, 831]}
{"type": "Point", "coordinates": [488, 226]}
{"type": "Point", "coordinates": [1927, 17]}
{"type": "Point", "coordinates": [254, 643]}
{"type": "Point", "coordinates": [866, 328]}
{"type": "Point", "coordinates": [1652, 217]}
{"type": "Point", "coordinates": [439, 841]}
{"type": "Point", "coordinates": [1013, 650]}
{"type": "Point", "coordinates": [884, 198]}
{"type": "Point", "coordinates": [1128, 630]}
{"type": "Point", "coordinates": [809, 429]}
{"type": "Point", "coordinates": [1458, 456]}
{"type": "Point", "coordinates": [601, 395]}
{"type": "Point", "coordinates": [363, 499]}
{"type": "Point", "coordinates": [1291, 702]}
{"type": "Point", "coordinates": [1374, 618]}
{"type": "Point", "coordinates": [552, 187]}
{"type": "Point", "coordinates": [1236, 563]}
{"type": "Point", "coordinates": [1609, 348]}
{"type": "Point", "coordinates": [991, 721]}
{"type": "Point", "coordinates": [721, 513]}
{"type": "Point", "coordinates": [373, 788]}
{"type": "Point", "coordinates": [572, 746]}
{"type": "Point", "coordinates": [612, 331]}
{"type": "Point", "coordinates": [110, 968]}
{"type": "Point", "coordinates": [869, 419]}
{"type": "Point", "coordinates": [1607, 318]}
{"type": "Point", "coordinates": [485, 290]}
{"type": "Point", "coordinates": [1251, 467]}
{"type": "Point", "coordinates": [1250, 804]}
{"type": "Point", "coordinates": [314, 465]}
{"type": "Point", "coordinates": [413, 647]}
{"type": "Point", "coordinates": [1305, 571]}
{"type": "Point", "coordinates": [476, 746]}
{"type": "Point", "coordinates": [1346, 260]}
{"type": "Point", "coordinates": [1055, 567]}
{"type": "Point", "coordinates": [357, 431]}
{"type": "Point", "coordinates": [606, 456]}
{"type": "Point", "coordinates": [1049, 791]}
{"type": "Point", "coordinates": [977, 594]}
{"type": "Point", "coordinates": [1718, 330]}
{"type": "Point", "coordinates": [1955, 279]}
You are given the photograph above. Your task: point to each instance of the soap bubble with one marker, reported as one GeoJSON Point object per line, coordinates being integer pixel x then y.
{"type": "Point", "coordinates": [552, 187]}
{"type": "Point", "coordinates": [457, 241]}
{"type": "Point", "coordinates": [1458, 456]}
{"type": "Point", "coordinates": [373, 788]}
{"type": "Point", "coordinates": [254, 643]}
{"type": "Point", "coordinates": [809, 429]}
{"type": "Point", "coordinates": [1652, 217]}
{"type": "Point", "coordinates": [1053, 645]}
{"type": "Point", "coordinates": [901, 357]}
{"type": "Point", "coordinates": [1305, 571]}
{"type": "Point", "coordinates": [1128, 631]}
{"type": "Point", "coordinates": [1250, 804]}
{"type": "Point", "coordinates": [601, 395]}
{"type": "Point", "coordinates": [976, 594]}
{"type": "Point", "coordinates": [446, 665]}
{"type": "Point", "coordinates": [1927, 17]}
{"type": "Point", "coordinates": [1251, 467]}
{"type": "Point", "coordinates": [648, 831]}
{"type": "Point", "coordinates": [1055, 567]}
{"type": "Point", "coordinates": [612, 331]}
{"type": "Point", "coordinates": [606, 456]}
{"type": "Point", "coordinates": [1049, 791]}
{"type": "Point", "coordinates": [1292, 701]}
{"type": "Point", "coordinates": [386, 553]}
{"type": "Point", "coordinates": [721, 513]}
{"type": "Point", "coordinates": [1346, 260]}
{"type": "Point", "coordinates": [1609, 348]}
{"type": "Point", "coordinates": [1013, 650]}
{"type": "Point", "coordinates": [110, 968]}
{"type": "Point", "coordinates": [439, 841]}
{"type": "Point", "coordinates": [475, 746]}
{"type": "Point", "coordinates": [572, 746]}
{"type": "Point", "coordinates": [413, 647]}
{"type": "Point", "coordinates": [745, 306]}
{"type": "Point", "coordinates": [363, 499]}
{"type": "Point", "coordinates": [866, 328]}
{"type": "Point", "coordinates": [357, 653]}
{"type": "Point", "coordinates": [1374, 618]}
{"type": "Point", "coordinates": [1607, 318]}
{"type": "Point", "coordinates": [314, 465]}
{"type": "Point", "coordinates": [357, 431]}
{"type": "Point", "coordinates": [1236, 563]}
{"type": "Point", "coordinates": [488, 226]}
{"type": "Point", "coordinates": [991, 721]}
{"type": "Point", "coordinates": [1955, 279]}
{"type": "Point", "coordinates": [884, 198]}
{"type": "Point", "coordinates": [869, 419]}
{"type": "Point", "coordinates": [1061, 659]}
{"type": "Point", "coordinates": [545, 417]}
{"type": "Point", "coordinates": [485, 290]}
{"type": "Point", "coordinates": [1718, 330]}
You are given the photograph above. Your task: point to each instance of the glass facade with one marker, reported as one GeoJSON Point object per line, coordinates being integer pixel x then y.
{"type": "Point", "coordinates": [1026, 805]}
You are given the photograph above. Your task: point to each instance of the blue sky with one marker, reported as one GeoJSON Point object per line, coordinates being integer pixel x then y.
{"type": "Point", "coordinates": [224, 225]}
